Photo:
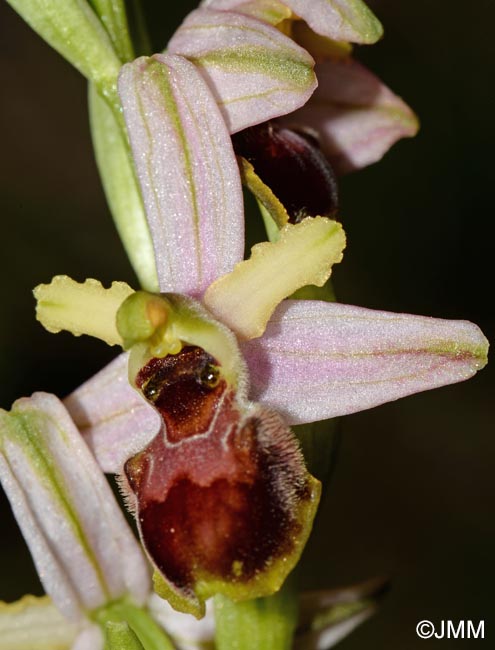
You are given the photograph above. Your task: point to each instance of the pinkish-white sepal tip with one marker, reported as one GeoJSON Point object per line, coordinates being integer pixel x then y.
{"type": "Point", "coordinates": [319, 360]}
{"type": "Point", "coordinates": [339, 20]}
{"type": "Point", "coordinates": [66, 510]}
{"type": "Point", "coordinates": [357, 118]}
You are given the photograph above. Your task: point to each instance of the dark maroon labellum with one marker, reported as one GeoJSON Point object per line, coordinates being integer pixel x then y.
{"type": "Point", "coordinates": [221, 494]}
{"type": "Point", "coordinates": [293, 166]}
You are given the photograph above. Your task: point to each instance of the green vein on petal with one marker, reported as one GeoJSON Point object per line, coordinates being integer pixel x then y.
{"type": "Point", "coordinates": [23, 428]}
{"type": "Point", "coordinates": [254, 71]}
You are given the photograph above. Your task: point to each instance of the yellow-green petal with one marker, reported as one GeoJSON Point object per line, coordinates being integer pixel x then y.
{"type": "Point", "coordinates": [81, 308]}
{"type": "Point", "coordinates": [35, 624]}
{"type": "Point", "coordinates": [304, 254]}
{"type": "Point", "coordinates": [263, 193]}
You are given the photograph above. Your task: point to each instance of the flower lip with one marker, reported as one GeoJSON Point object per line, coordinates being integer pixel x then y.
{"type": "Point", "coordinates": [222, 497]}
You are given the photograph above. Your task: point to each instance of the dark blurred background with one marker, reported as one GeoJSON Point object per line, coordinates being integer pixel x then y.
{"type": "Point", "coordinates": [412, 496]}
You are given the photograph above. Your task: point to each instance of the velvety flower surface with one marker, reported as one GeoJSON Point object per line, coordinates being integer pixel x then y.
{"type": "Point", "coordinates": [310, 360]}
{"type": "Point", "coordinates": [215, 441]}
{"type": "Point", "coordinates": [222, 498]}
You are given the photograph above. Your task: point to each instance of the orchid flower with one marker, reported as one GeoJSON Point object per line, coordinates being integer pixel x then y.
{"type": "Point", "coordinates": [307, 360]}
{"type": "Point", "coordinates": [90, 563]}
{"type": "Point", "coordinates": [207, 376]}
{"type": "Point", "coordinates": [353, 115]}
{"type": "Point", "coordinates": [220, 360]}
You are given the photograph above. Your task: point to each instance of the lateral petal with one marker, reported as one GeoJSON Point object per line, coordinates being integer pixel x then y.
{"type": "Point", "coordinates": [255, 72]}
{"type": "Point", "coordinates": [66, 510]}
{"type": "Point", "coordinates": [303, 255]}
{"type": "Point", "coordinates": [319, 360]}
{"type": "Point", "coordinates": [81, 307]}
{"type": "Point", "coordinates": [114, 419]}
{"type": "Point", "coordinates": [187, 170]}
{"type": "Point", "coordinates": [356, 116]}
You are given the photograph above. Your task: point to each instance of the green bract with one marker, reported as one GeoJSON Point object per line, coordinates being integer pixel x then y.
{"type": "Point", "coordinates": [121, 189]}
{"type": "Point", "coordinates": [73, 29]}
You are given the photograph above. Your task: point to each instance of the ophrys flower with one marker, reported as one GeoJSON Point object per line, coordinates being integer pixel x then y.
{"type": "Point", "coordinates": [308, 359]}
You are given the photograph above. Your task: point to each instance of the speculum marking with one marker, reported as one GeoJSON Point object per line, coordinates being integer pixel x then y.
{"type": "Point", "coordinates": [222, 506]}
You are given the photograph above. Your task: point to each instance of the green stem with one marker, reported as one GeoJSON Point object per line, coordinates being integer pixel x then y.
{"type": "Point", "coordinates": [73, 29]}
{"type": "Point", "coordinates": [263, 623]}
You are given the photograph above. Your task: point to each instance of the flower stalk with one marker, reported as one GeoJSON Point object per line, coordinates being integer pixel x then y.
{"type": "Point", "coordinates": [262, 623]}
